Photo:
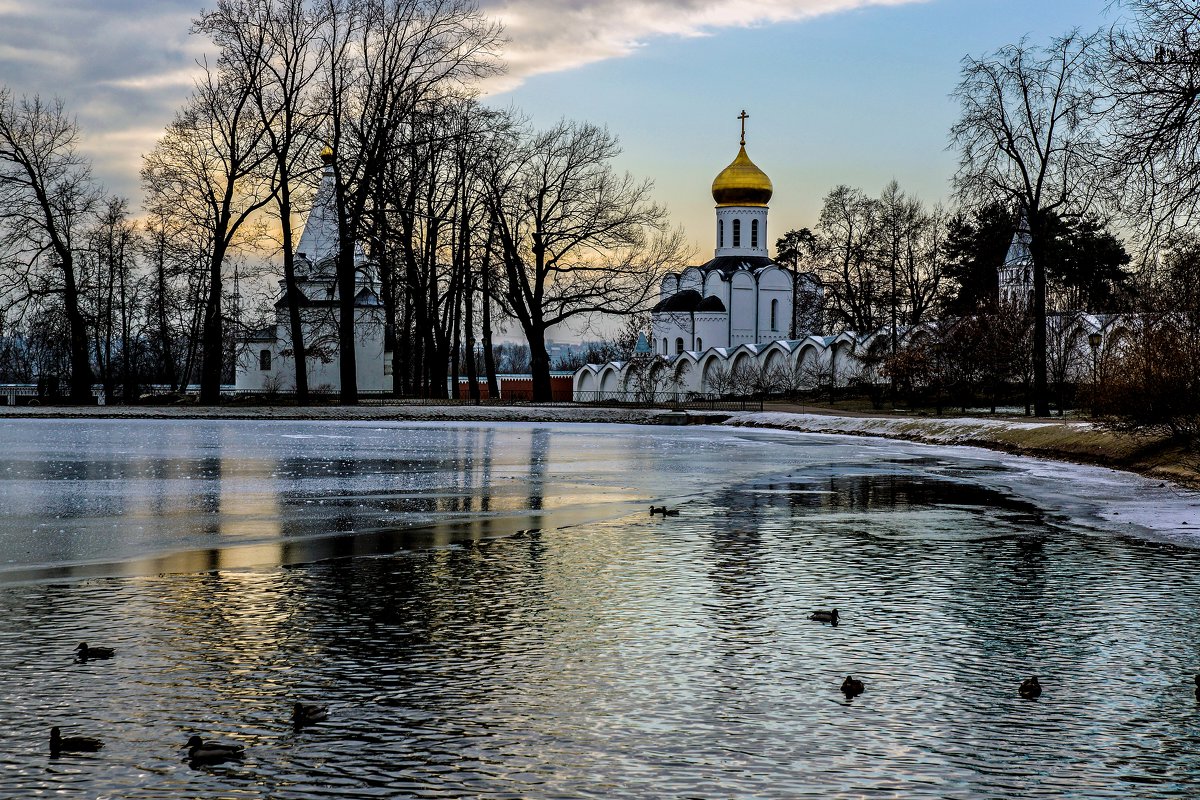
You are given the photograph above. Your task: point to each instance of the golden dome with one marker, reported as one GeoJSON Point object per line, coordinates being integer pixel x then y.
{"type": "Point", "coordinates": [327, 154]}
{"type": "Point", "coordinates": [742, 183]}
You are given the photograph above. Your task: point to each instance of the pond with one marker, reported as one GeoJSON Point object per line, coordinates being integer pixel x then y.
{"type": "Point", "coordinates": [490, 611]}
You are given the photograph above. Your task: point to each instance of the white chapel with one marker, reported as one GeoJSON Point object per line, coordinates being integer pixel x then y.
{"type": "Point", "coordinates": [264, 360]}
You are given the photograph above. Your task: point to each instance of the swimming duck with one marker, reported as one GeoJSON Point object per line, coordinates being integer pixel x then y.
{"type": "Point", "coordinates": [72, 744]}
{"type": "Point", "coordinates": [1030, 688]}
{"type": "Point", "coordinates": [851, 687]}
{"type": "Point", "coordinates": [308, 713]}
{"type": "Point", "coordinates": [666, 512]}
{"type": "Point", "coordinates": [825, 616]}
{"type": "Point", "coordinates": [83, 652]}
{"type": "Point", "coordinates": [200, 750]}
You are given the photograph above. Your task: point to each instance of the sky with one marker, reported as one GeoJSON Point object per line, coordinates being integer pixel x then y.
{"type": "Point", "coordinates": [838, 91]}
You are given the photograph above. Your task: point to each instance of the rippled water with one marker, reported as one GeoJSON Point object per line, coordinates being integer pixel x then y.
{"type": "Point", "coordinates": [603, 653]}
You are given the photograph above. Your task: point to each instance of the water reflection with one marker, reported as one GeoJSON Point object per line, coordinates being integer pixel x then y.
{"type": "Point", "coordinates": [632, 656]}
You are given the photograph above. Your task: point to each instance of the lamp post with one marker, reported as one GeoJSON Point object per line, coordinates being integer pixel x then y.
{"type": "Point", "coordinates": [1094, 341]}
{"type": "Point", "coordinates": [938, 347]}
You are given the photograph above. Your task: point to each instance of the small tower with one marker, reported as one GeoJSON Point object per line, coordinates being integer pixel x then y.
{"type": "Point", "coordinates": [1016, 274]}
{"type": "Point", "coordinates": [742, 192]}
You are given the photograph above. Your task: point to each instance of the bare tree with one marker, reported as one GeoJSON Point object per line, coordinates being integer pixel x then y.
{"type": "Point", "coordinates": [846, 234]}
{"type": "Point", "coordinates": [574, 236]}
{"type": "Point", "coordinates": [208, 171]}
{"type": "Point", "coordinates": [1027, 137]}
{"type": "Point", "coordinates": [1150, 73]}
{"type": "Point", "coordinates": [115, 297]}
{"type": "Point", "coordinates": [275, 42]}
{"type": "Point", "coordinates": [47, 198]}
{"type": "Point", "coordinates": [390, 64]}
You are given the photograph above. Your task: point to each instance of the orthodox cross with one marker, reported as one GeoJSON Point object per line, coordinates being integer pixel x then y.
{"type": "Point", "coordinates": [743, 117]}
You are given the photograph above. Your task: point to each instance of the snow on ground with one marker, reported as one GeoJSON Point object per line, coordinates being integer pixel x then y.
{"type": "Point", "coordinates": [944, 430]}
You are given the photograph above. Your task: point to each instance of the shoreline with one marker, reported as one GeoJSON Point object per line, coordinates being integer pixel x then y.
{"type": "Point", "coordinates": [1070, 441]}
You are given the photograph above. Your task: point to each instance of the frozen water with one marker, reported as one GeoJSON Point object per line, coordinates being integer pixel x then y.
{"type": "Point", "coordinates": [517, 625]}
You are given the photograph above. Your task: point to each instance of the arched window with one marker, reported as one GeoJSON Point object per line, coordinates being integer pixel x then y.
{"type": "Point", "coordinates": [754, 233]}
{"type": "Point", "coordinates": [700, 345]}
{"type": "Point", "coordinates": [737, 233]}
{"type": "Point", "coordinates": [774, 313]}
{"type": "Point", "coordinates": [720, 233]}
{"type": "Point", "coordinates": [664, 345]}
{"type": "Point", "coordinates": [264, 360]}
{"type": "Point", "coordinates": [678, 346]}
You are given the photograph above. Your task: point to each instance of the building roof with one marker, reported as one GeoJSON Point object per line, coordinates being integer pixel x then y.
{"type": "Point", "coordinates": [727, 265]}
{"type": "Point", "coordinates": [742, 183]}
{"type": "Point", "coordinates": [1018, 251]}
{"type": "Point", "coordinates": [690, 300]}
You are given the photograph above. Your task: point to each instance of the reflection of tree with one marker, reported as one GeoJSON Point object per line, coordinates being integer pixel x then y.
{"type": "Point", "coordinates": [539, 449]}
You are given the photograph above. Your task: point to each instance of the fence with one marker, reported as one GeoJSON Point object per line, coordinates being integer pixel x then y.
{"type": "Point", "coordinates": [677, 401]}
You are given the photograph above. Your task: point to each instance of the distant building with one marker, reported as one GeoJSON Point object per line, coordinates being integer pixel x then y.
{"type": "Point", "coordinates": [264, 360]}
{"type": "Point", "coordinates": [1016, 274]}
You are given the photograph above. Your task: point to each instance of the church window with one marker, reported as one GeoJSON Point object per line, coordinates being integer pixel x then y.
{"type": "Point", "coordinates": [737, 233]}
{"type": "Point", "coordinates": [664, 345]}
{"type": "Point", "coordinates": [264, 360]}
{"type": "Point", "coordinates": [700, 345]}
{"type": "Point", "coordinates": [678, 346]}
{"type": "Point", "coordinates": [774, 313]}
{"type": "Point", "coordinates": [754, 234]}
{"type": "Point", "coordinates": [720, 233]}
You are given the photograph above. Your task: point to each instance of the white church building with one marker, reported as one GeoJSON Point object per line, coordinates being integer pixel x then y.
{"type": "Point", "coordinates": [264, 359]}
{"type": "Point", "coordinates": [739, 297]}
{"type": "Point", "coordinates": [734, 313]}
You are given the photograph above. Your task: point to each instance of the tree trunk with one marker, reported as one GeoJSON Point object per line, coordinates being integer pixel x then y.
{"type": "Point", "coordinates": [469, 329]}
{"type": "Point", "coordinates": [294, 298]}
{"type": "Point", "coordinates": [1041, 394]}
{"type": "Point", "coordinates": [348, 368]}
{"type": "Point", "coordinates": [212, 344]}
{"type": "Point", "coordinates": [539, 364]}
{"type": "Point", "coordinates": [81, 367]}
{"type": "Point", "coordinates": [489, 357]}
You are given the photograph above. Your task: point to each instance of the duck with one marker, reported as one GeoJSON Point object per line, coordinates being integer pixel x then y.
{"type": "Point", "coordinates": [308, 714]}
{"type": "Point", "coordinates": [72, 744]}
{"type": "Point", "coordinates": [830, 616]}
{"type": "Point", "coordinates": [1030, 688]}
{"type": "Point", "coordinates": [83, 652]}
{"type": "Point", "coordinates": [666, 512]}
{"type": "Point", "coordinates": [851, 687]}
{"type": "Point", "coordinates": [200, 750]}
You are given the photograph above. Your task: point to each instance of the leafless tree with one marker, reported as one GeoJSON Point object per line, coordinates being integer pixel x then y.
{"type": "Point", "coordinates": [574, 236]}
{"type": "Point", "coordinates": [1027, 137]}
{"type": "Point", "coordinates": [47, 199]}
{"type": "Point", "coordinates": [390, 64]}
{"type": "Point", "coordinates": [115, 297]}
{"type": "Point", "coordinates": [847, 232]}
{"type": "Point", "coordinates": [207, 171]}
{"type": "Point", "coordinates": [1151, 76]}
{"type": "Point", "coordinates": [275, 42]}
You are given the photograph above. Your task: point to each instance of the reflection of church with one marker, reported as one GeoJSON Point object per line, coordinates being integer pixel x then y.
{"type": "Point", "coordinates": [739, 297]}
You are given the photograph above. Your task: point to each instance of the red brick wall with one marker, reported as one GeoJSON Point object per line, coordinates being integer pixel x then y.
{"type": "Point", "coordinates": [561, 388]}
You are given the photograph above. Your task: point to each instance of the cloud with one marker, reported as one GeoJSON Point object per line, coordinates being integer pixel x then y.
{"type": "Point", "coordinates": [556, 35]}
{"type": "Point", "coordinates": [124, 66]}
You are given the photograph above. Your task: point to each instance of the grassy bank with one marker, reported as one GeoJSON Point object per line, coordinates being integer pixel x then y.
{"type": "Point", "coordinates": [1075, 441]}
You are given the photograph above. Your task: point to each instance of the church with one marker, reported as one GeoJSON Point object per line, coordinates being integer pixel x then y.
{"type": "Point", "coordinates": [264, 358]}
{"type": "Point", "coordinates": [740, 296]}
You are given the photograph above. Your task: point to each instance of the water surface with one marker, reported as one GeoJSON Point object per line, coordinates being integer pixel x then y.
{"type": "Point", "coordinates": [490, 612]}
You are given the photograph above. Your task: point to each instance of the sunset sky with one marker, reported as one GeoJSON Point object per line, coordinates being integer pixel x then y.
{"type": "Point", "coordinates": [838, 91]}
